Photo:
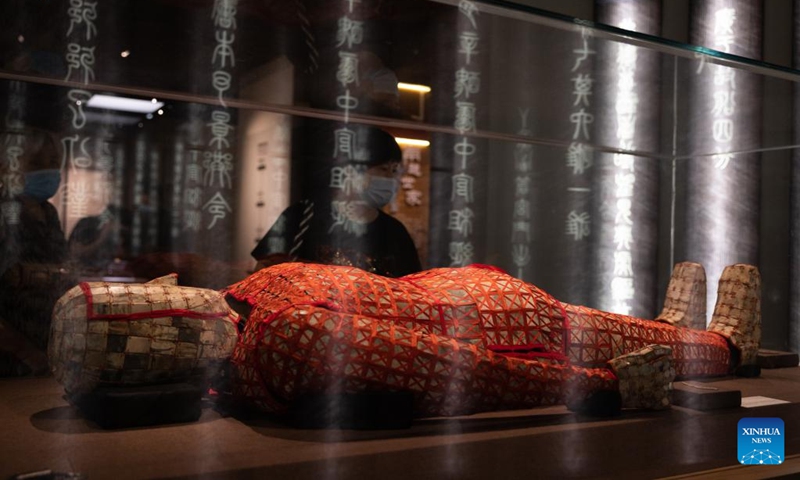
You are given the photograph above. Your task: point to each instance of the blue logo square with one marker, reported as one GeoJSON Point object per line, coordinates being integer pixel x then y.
{"type": "Point", "coordinates": [761, 441]}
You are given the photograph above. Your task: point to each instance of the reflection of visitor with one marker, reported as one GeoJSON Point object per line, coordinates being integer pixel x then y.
{"type": "Point", "coordinates": [34, 271]}
{"type": "Point", "coordinates": [342, 223]}
{"type": "Point", "coordinates": [94, 240]}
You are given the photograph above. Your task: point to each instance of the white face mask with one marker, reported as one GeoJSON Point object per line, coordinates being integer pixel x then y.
{"type": "Point", "coordinates": [380, 191]}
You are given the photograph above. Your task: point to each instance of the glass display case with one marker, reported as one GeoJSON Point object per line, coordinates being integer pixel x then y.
{"type": "Point", "coordinates": [213, 137]}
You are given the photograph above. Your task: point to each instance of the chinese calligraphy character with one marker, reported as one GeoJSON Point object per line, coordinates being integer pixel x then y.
{"type": "Point", "coordinates": [414, 169]}
{"type": "Point", "coordinates": [221, 81]}
{"type": "Point", "coordinates": [218, 208]}
{"type": "Point", "coordinates": [461, 254]}
{"type": "Point", "coordinates": [724, 20]}
{"type": "Point", "coordinates": [465, 117]}
{"type": "Point", "coordinates": [347, 179]}
{"type": "Point", "coordinates": [462, 187]}
{"type": "Point", "coordinates": [722, 160]}
{"type": "Point", "coordinates": [724, 77]}
{"type": "Point", "coordinates": [523, 185]}
{"type": "Point", "coordinates": [521, 228]}
{"type": "Point", "coordinates": [626, 127]}
{"type": "Point", "coordinates": [218, 166]}
{"type": "Point", "coordinates": [411, 154]}
{"type": "Point", "coordinates": [464, 149]}
{"type": "Point", "coordinates": [347, 102]}
{"type": "Point", "coordinates": [724, 103]}
{"type": "Point", "coordinates": [344, 143]}
{"type": "Point", "coordinates": [722, 129]}
{"type": "Point", "coordinates": [12, 156]}
{"type": "Point", "coordinates": [193, 172]}
{"type": "Point", "coordinates": [82, 12]}
{"type": "Point", "coordinates": [79, 195]}
{"type": "Point", "coordinates": [624, 182]}
{"type": "Point", "coordinates": [583, 89]}
{"type": "Point", "coordinates": [80, 58]}
{"type": "Point", "coordinates": [461, 221]}
{"type": "Point", "coordinates": [224, 13]}
{"type": "Point", "coordinates": [413, 198]}
{"type": "Point", "coordinates": [625, 162]}
{"type": "Point", "coordinates": [579, 158]}
{"type": "Point", "coordinates": [468, 45]}
{"type": "Point", "coordinates": [578, 225]}
{"type": "Point", "coordinates": [191, 220]}
{"type": "Point", "coordinates": [220, 128]}
{"type": "Point", "coordinates": [76, 100]}
{"type": "Point", "coordinates": [79, 161]}
{"type": "Point", "coordinates": [522, 208]}
{"type": "Point", "coordinates": [224, 49]}
{"type": "Point", "coordinates": [521, 255]}
{"type": "Point", "coordinates": [350, 32]}
{"type": "Point", "coordinates": [582, 54]}
{"type": "Point", "coordinates": [623, 264]}
{"type": "Point", "coordinates": [469, 9]}
{"type": "Point", "coordinates": [11, 185]}
{"type": "Point", "coordinates": [623, 212]}
{"type": "Point", "coordinates": [11, 211]}
{"type": "Point", "coordinates": [622, 288]}
{"type": "Point", "coordinates": [623, 237]}
{"type": "Point", "coordinates": [348, 69]}
{"type": "Point", "coordinates": [192, 197]}
{"type": "Point", "coordinates": [467, 83]}
{"type": "Point", "coordinates": [407, 182]}
{"type": "Point", "coordinates": [581, 120]}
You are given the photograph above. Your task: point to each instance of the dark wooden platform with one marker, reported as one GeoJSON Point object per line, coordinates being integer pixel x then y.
{"type": "Point", "coordinates": [41, 431]}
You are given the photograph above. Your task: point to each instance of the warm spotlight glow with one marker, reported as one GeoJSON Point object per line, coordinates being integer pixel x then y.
{"type": "Point", "coordinates": [411, 87]}
{"type": "Point", "coordinates": [161, 112]}
{"type": "Point", "coordinates": [412, 142]}
{"type": "Point", "coordinates": [125, 53]}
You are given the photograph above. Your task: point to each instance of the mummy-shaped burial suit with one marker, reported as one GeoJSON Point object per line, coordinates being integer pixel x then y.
{"type": "Point", "coordinates": [460, 340]}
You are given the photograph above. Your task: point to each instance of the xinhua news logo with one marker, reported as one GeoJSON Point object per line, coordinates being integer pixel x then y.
{"type": "Point", "coordinates": [761, 441]}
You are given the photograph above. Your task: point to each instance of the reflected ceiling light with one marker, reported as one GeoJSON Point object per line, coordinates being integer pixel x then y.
{"type": "Point", "coordinates": [125, 53]}
{"type": "Point", "coordinates": [160, 112]}
{"type": "Point", "coordinates": [21, 39]}
{"type": "Point", "coordinates": [124, 104]}
{"type": "Point", "coordinates": [412, 87]}
{"type": "Point", "coordinates": [412, 142]}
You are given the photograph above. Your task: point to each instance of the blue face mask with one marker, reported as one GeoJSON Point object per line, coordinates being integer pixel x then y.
{"type": "Point", "coordinates": [42, 184]}
{"type": "Point", "coordinates": [380, 191]}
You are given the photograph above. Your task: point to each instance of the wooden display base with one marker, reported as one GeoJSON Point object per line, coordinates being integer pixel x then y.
{"type": "Point", "coordinates": [126, 407]}
{"type": "Point", "coordinates": [704, 396]}
{"type": "Point", "coordinates": [777, 359]}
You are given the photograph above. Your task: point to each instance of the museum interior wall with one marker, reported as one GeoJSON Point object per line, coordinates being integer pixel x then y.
{"type": "Point", "coordinates": [579, 159]}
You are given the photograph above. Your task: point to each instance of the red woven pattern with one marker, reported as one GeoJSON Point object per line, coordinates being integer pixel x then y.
{"type": "Point", "coordinates": [596, 337]}
{"type": "Point", "coordinates": [320, 328]}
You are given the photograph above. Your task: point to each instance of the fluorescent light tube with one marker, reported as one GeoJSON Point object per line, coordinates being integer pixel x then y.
{"type": "Point", "coordinates": [124, 104]}
{"type": "Point", "coordinates": [412, 142]}
{"type": "Point", "coordinates": [411, 87]}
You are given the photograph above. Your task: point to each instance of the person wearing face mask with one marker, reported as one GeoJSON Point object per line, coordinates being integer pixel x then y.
{"type": "Point", "coordinates": [36, 267]}
{"type": "Point", "coordinates": [343, 223]}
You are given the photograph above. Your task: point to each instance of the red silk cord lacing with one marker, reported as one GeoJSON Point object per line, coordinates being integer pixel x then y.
{"type": "Point", "coordinates": [460, 339]}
